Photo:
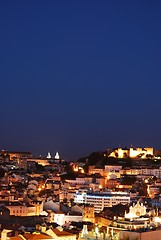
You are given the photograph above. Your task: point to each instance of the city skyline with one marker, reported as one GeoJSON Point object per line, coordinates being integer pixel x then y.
{"type": "Point", "coordinates": [78, 77]}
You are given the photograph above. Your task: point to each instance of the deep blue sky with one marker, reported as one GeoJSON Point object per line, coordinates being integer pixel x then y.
{"type": "Point", "coordinates": [79, 76]}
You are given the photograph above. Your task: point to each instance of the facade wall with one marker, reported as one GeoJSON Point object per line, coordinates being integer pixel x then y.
{"type": "Point", "coordinates": [99, 202]}
{"type": "Point", "coordinates": [142, 171]}
{"type": "Point", "coordinates": [89, 214]}
{"type": "Point", "coordinates": [43, 162]}
{"type": "Point", "coordinates": [22, 210]}
{"type": "Point", "coordinates": [101, 221]}
{"type": "Point", "coordinates": [18, 210]}
{"type": "Point", "coordinates": [62, 219]}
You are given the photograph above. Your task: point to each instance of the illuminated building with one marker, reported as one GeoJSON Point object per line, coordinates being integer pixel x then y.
{"type": "Point", "coordinates": [32, 161]}
{"type": "Point", "coordinates": [136, 211]}
{"type": "Point", "coordinates": [21, 209]}
{"type": "Point", "coordinates": [16, 155]}
{"type": "Point", "coordinates": [88, 213]}
{"type": "Point", "coordinates": [102, 199]}
{"type": "Point", "coordinates": [153, 190]}
{"type": "Point", "coordinates": [132, 152]}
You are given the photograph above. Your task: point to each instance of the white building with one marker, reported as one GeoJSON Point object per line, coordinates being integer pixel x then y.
{"type": "Point", "coordinates": [61, 218]}
{"type": "Point", "coordinates": [102, 199]}
{"type": "Point", "coordinates": [136, 211]}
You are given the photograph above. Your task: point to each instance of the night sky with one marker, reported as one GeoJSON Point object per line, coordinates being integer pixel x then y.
{"type": "Point", "coordinates": [79, 76]}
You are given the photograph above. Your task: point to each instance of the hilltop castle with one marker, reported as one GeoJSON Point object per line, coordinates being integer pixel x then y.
{"type": "Point", "coordinates": [132, 152]}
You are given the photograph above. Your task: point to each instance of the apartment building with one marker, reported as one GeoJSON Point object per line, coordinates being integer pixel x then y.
{"type": "Point", "coordinates": [102, 199]}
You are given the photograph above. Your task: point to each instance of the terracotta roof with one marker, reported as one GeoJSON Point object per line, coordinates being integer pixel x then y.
{"type": "Point", "coordinates": [33, 236]}
{"type": "Point", "coordinates": [17, 238]}
{"type": "Point", "coordinates": [29, 236]}
{"type": "Point", "coordinates": [61, 233]}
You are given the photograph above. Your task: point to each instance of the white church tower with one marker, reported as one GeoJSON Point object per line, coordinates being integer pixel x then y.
{"type": "Point", "coordinates": [49, 156]}
{"type": "Point", "coordinates": [57, 157]}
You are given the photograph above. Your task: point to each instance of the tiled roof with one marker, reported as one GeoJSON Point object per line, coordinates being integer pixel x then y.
{"type": "Point", "coordinates": [34, 236]}
{"type": "Point", "coordinates": [17, 238]}
{"type": "Point", "coordinates": [61, 233]}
